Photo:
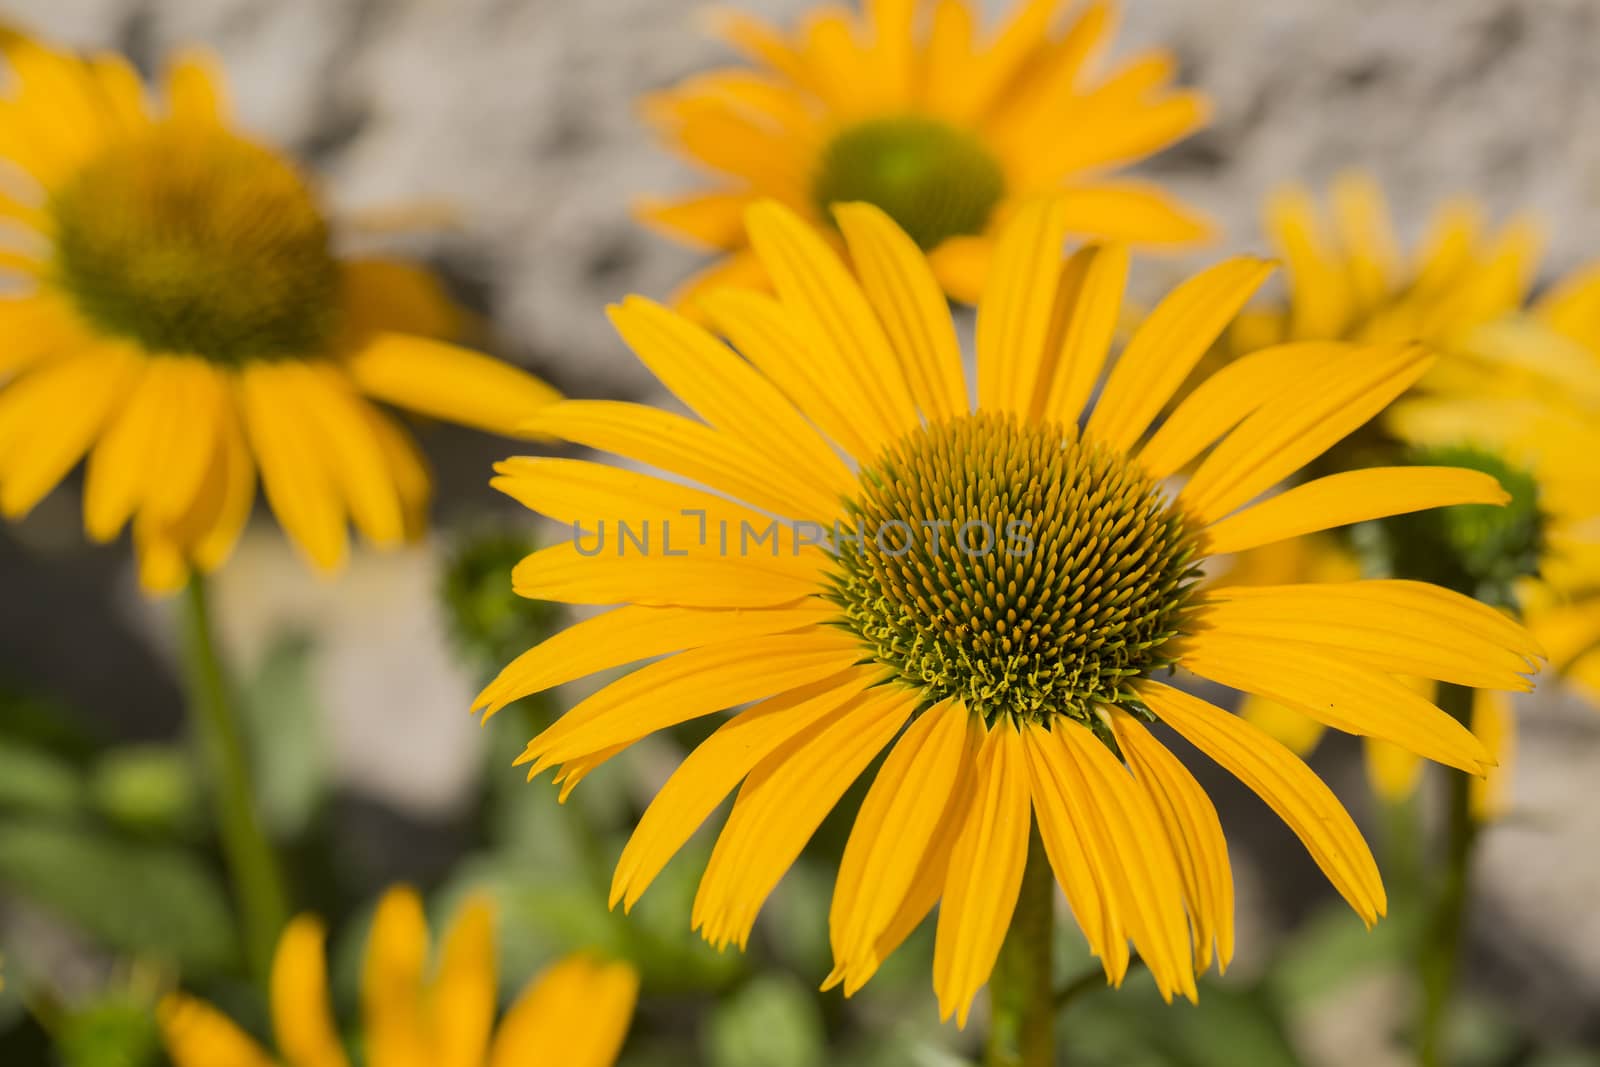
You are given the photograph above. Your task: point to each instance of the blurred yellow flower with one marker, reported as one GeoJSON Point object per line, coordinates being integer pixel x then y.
{"type": "Point", "coordinates": [987, 593]}
{"type": "Point", "coordinates": [944, 126]}
{"type": "Point", "coordinates": [575, 1014]}
{"type": "Point", "coordinates": [180, 316]}
{"type": "Point", "coordinates": [1518, 382]}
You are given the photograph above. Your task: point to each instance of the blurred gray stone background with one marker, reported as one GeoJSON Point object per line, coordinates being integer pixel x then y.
{"type": "Point", "coordinates": [517, 118]}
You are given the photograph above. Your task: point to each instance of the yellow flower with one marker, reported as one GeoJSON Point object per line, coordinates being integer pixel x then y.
{"type": "Point", "coordinates": [1517, 382]}
{"type": "Point", "coordinates": [940, 123]}
{"type": "Point", "coordinates": [575, 1014]}
{"type": "Point", "coordinates": [983, 590]}
{"type": "Point", "coordinates": [180, 316]}
{"type": "Point", "coordinates": [1528, 387]}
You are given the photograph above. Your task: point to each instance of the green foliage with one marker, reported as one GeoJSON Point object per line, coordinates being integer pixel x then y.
{"type": "Point", "coordinates": [145, 899]}
{"type": "Point", "coordinates": [771, 1022]}
{"type": "Point", "coordinates": [116, 1031]}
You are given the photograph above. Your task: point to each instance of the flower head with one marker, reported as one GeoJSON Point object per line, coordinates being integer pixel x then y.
{"type": "Point", "coordinates": [184, 320]}
{"type": "Point", "coordinates": [987, 592]}
{"type": "Point", "coordinates": [1514, 393]}
{"type": "Point", "coordinates": [943, 125]}
{"type": "Point", "coordinates": [575, 1014]}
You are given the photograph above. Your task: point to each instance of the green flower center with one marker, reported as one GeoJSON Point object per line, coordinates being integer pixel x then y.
{"type": "Point", "coordinates": [934, 180]}
{"type": "Point", "coordinates": [1015, 566]}
{"type": "Point", "coordinates": [192, 240]}
{"type": "Point", "coordinates": [1481, 550]}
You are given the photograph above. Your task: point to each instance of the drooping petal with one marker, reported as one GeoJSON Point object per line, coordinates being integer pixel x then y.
{"type": "Point", "coordinates": [985, 875]}
{"type": "Point", "coordinates": [1194, 833]}
{"type": "Point", "coordinates": [1288, 786]}
{"type": "Point", "coordinates": [894, 827]}
{"type": "Point", "coordinates": [782, 803]}
{"type": "Point", "coordinates": [718, 764]}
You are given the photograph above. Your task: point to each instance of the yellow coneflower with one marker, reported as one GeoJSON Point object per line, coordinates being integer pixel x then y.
{"type": "Point", "coordinates": [179, 315]}
{"type": "Point", "coordinates": [985, 590]}
{"type": "Point", "coordinates": [1464, 290]}
{"type": "Point", "coordinates": [1528, 389]}
{"type": "Point", "coordinates": [944, 126]}
{"type": "Point", "coordinates": [575, 1014]}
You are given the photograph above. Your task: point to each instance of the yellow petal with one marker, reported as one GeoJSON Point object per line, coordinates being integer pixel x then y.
{"type": "Point", "coordinates": [911, 306]}
{"type": "Point", "coordinates": [1018, 301]}
{"type": "Point", "coordinates": [575, 1014]}
{"type": "Point", "coordinates": [1288, 786]}
{"type": "Point", "coordinates": [1132, 212]}
{"type": "Point", "coordinates": [1088, 305]}
{"type": "Point", "coordinates": [1336, 692]}
{"type": "Point", "coordinates": [894, 827]}
{"type": "Point", "coordinates": [829, 310]}
{"type": "Point", "coordinates": [1393, 771]}
{"type": "Point", "coordinates": [721, 762]}
{"type": "Point", "coordinates": [1320, 295]}
{"type": "Point", "coordinates": [463, 997]}
{"type": "Point", "coordinates": [1281, 437]}
{"type": "Point", "coordinates": [238, 472]}
{"type": "Point", "coordinates": [51, 418]}
{"type": "Point", "coordinates": [1430, 612]}
{"type": "Point", "coordinates": [1219, 403]}
{"type": "Point", "coordinates": [388, 295]}
{"type": "Point", "coordinates": [673, 444]}
{"type": "Point", "coordinates": [197, 1035]}
{"type": "Point", "coordinates": [448, 382]}
{"type": "Point", "coordinates": [1496, 726]}
{"type": "Point", "coordinates": [1144, 867]}
{"type": "Point", "coordinates": [732, 396]}
{"type": "Point", "coordinates": [1194, 833]}
{"type": "Point", "coordinates": [391, 983]}
{"type": "Point", "coordinates": [1167, 345]}
{"type": "Point", "coordinates": [561, 573]}
{"type": "Point", "coordinates": [355, 457]}
{"type": "Point", "coordinates": [293, 473]}
{"type": "Point", "coordinates": [1299, 733]}
{"type": "Point", "coordinates": [1351, 497]}
{"type": "Point", "coordinates": [782, 803]}
{"type": "Point", "coordinates": [194, 88]}
{"type": "Point", "coordinates": [961, 264]}
{"type": "Point", "coordinates": [714, 221]}
{"type": "Point", "coordinates": [1372, 255]}
{"type": "Point", "coordinates": [629, 634]}
{"type": "Point", "coordinates": [691, 684]}
{"type": "Point", "coordinates": [1079, 852]}
{"type": "Point", "coordinates": [302, 1015]}
{"type": "Point", "coordinates": [985, 875]}
{"type": "Point", "coordinates": [120, 466]}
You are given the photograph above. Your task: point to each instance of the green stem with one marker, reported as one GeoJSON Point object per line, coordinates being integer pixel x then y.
{"type": "Point", "coordinates": [257, 880]}
{"type": "Point", "coordinates": [1441, 951]}
{"type": "Point", "coordinates": [1022, 988]}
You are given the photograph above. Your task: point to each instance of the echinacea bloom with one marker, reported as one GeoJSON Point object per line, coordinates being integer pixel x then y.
{"type": "Point", "coordinates": [987, 592]}
{"type": "Point", "coordinates": [1528, 389]}
{"type": "Point", "coordinates": [179, 315]}
{"type": "Point", "coordinates": [944, 125]}
{"type": "Point", "coordinates": [575, 1014]}
{"type": "Point", "coordinates": [1464, 290]}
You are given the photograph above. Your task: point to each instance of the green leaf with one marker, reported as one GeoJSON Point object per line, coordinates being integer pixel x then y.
{"type": "Point", "coordinates": [772, 1022]}
{"type": "Point", "coordinates": [148, 787]}
{"type": "Point", "coordinates": [283, 717]}
{"type": "Point", "coordinates": [1334, 948]}
{"type": "Point", "coordinates": [35, 781]}
{"type": "Point", "coordinates": [139, 898]}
